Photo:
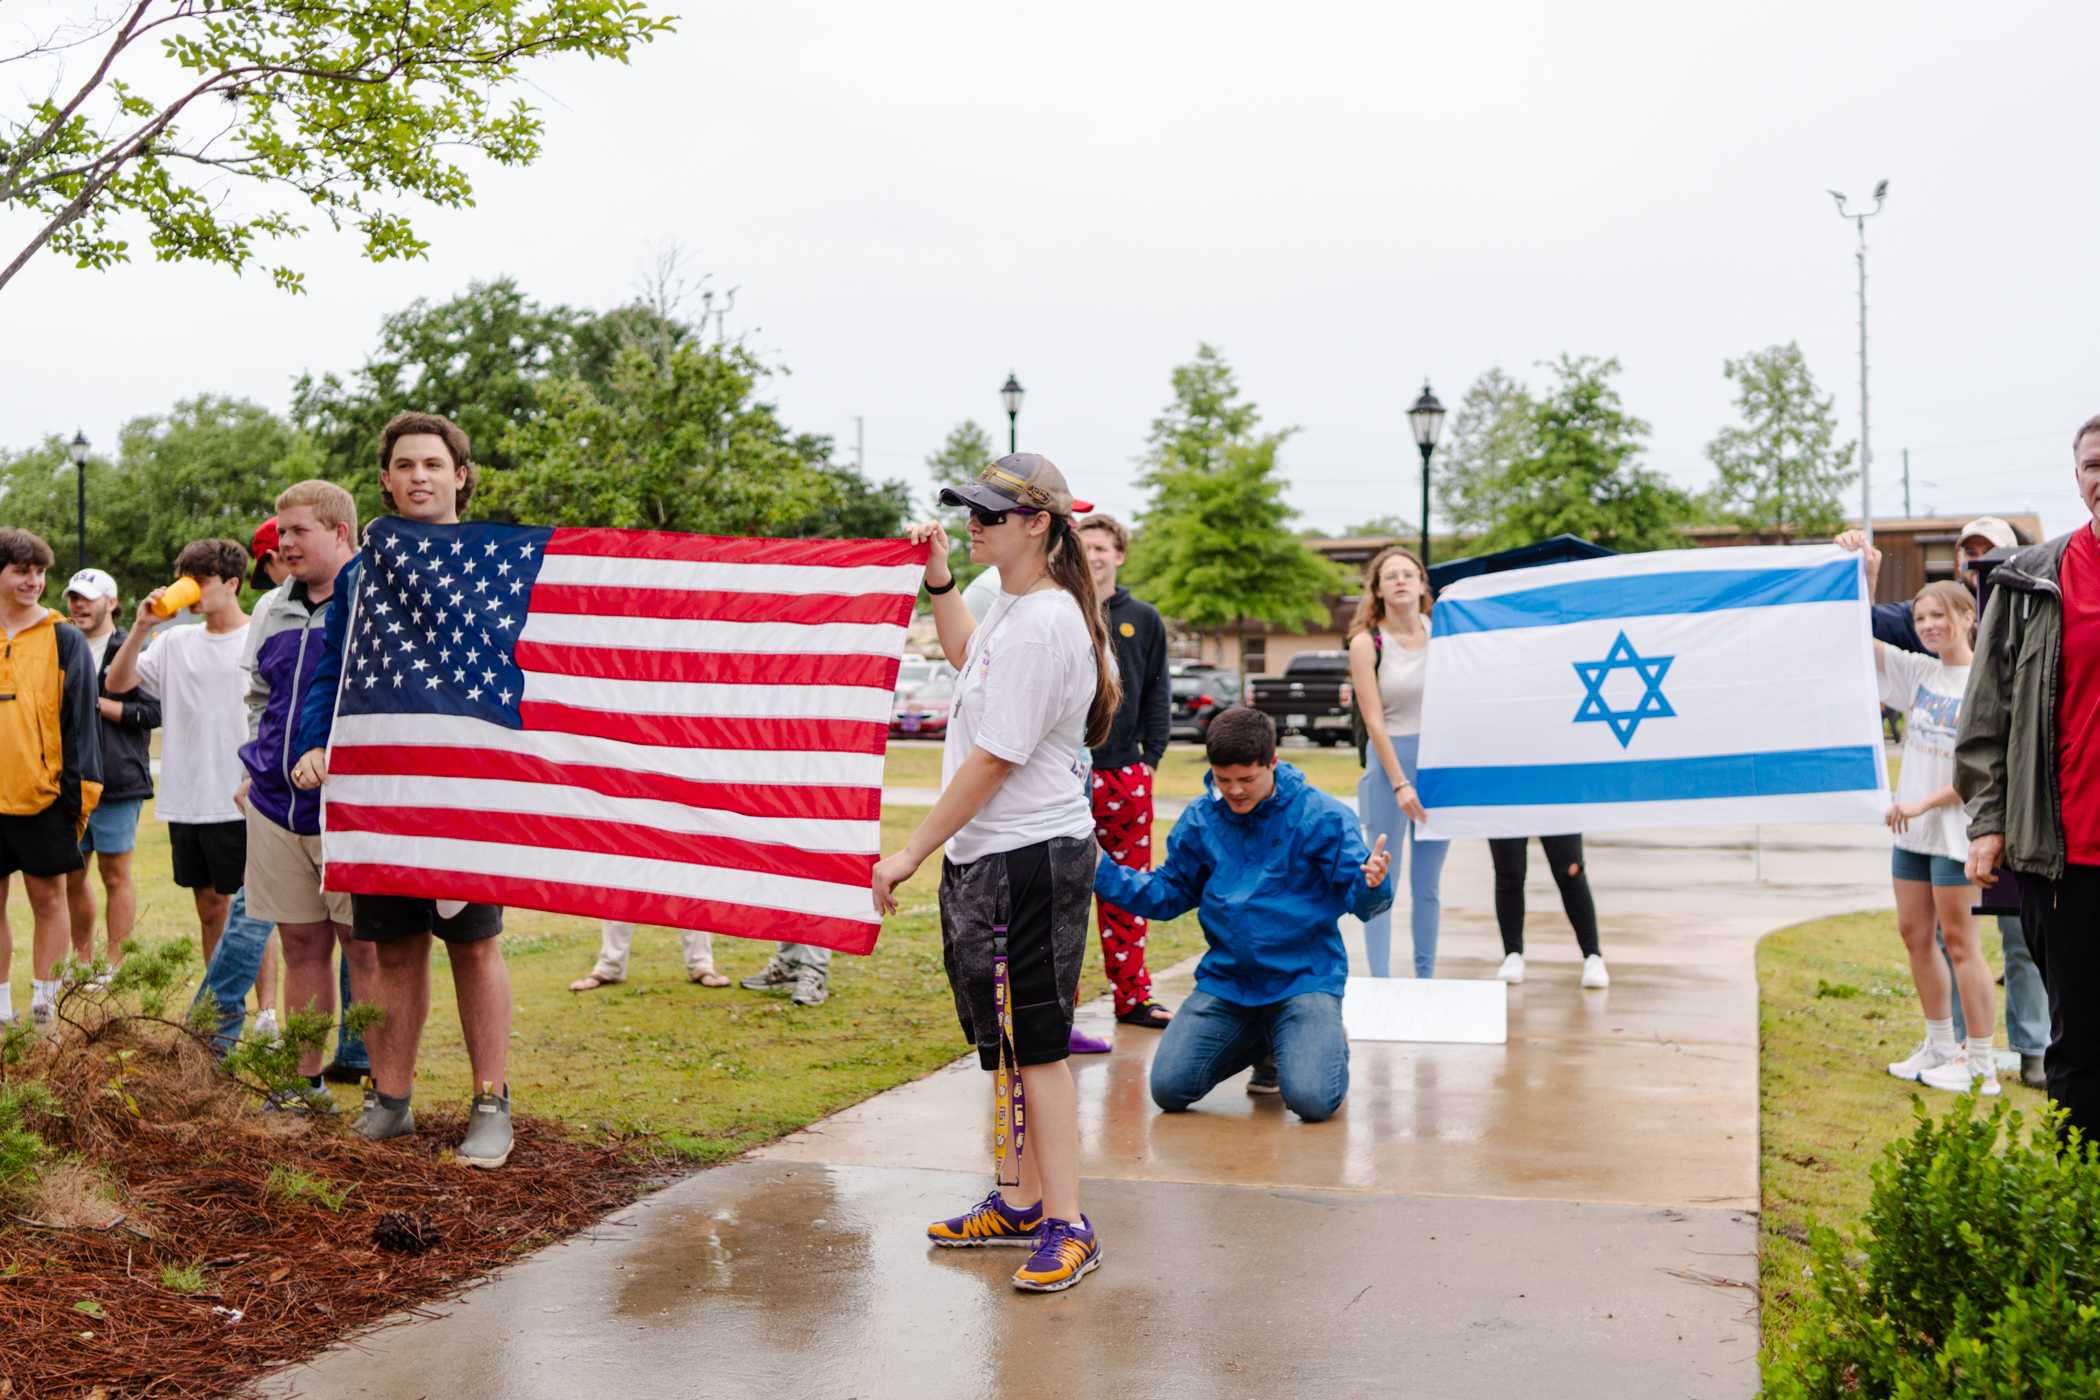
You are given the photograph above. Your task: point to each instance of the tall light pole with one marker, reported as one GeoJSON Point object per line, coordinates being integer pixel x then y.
{"type": "Point", "coordinates": [79, 448]}
{"type": "Point", "coordinates": [1010, 395]}
{"type": "Point", "coordinates": [1866, 449]}
{"type": "Point", "coordinates": [1427, 420]}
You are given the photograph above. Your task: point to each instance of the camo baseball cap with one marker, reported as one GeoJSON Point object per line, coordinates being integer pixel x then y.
{"type": "Point", "coordinates": [1019, 480]}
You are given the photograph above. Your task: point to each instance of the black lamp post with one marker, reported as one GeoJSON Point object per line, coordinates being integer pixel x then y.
{"type": "Point", "coordinates": [1010, 395]}
{"type": "Point", "coordinates": [79, 449]}
{"type": "Point", "coordinates": [1427, 420]}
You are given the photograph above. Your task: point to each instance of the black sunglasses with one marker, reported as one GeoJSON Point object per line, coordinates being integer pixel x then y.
{"type": "Point", "coordinates": [990, 518]}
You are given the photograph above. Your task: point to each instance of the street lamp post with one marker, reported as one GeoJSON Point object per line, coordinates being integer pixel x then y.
{"type": "Point", "coordinates": [1010, 395]}
{"type": "Point", "coordinates": [1427, 420]}
{"type": "Point", "coordinates": [1866, 450]}
{"type": "Point", "coordinates": [79, 449]}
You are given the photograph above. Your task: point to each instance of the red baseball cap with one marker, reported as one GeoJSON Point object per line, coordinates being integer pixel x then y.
{"type": "Point", "coordinates": [264, 543]}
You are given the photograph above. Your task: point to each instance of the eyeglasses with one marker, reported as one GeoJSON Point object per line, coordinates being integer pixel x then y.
{"type": "Point", "coordinates": [990, 518]}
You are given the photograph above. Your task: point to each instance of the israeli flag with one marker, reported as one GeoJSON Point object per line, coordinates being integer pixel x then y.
{"type": "Point", "coordinates": [1643, 690]}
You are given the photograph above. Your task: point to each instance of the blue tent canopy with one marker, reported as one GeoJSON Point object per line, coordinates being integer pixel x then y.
{"type": "Point", "coordinates": [1558, 550]}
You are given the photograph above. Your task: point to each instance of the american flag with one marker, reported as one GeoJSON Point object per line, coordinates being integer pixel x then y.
{"type": "Point", "coordinates": [673, 729]}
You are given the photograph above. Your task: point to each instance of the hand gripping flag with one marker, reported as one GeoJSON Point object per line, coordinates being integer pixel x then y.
{"type": "Point", "coordinates": [669, 729]}
{"type": "Point", "coordinates": [1667, 689]}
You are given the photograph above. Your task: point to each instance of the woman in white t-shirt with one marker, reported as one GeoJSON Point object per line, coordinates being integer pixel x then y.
{"type": "Point", "coordinates": [1932, 839]}
{"type": "Point", "coordinates": [1036, 683]}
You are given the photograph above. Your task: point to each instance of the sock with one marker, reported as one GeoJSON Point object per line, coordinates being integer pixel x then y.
{"type": "Point", "coordinates": [1981, 1057]}
{"type": "Point", "coordinates": [1940, 1034]}
{"type": "Point", "coordinates": [42, 992]}
{"type": "Point", "coordinates": [392, 1104]}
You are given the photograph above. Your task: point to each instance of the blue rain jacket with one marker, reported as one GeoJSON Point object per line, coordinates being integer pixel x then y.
{"type": "Point", "coordinates": [1270, 888]}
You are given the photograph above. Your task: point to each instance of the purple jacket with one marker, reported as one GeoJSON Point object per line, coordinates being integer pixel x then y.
{"type": "Point", "coordinates": [286, 656]}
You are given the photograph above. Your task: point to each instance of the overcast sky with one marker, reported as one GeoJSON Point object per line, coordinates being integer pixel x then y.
{"type": "Point", "coordinates": [1346, 199]}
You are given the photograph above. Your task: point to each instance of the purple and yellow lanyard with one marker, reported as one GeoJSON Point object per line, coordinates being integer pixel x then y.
{"type": "Point", "coordinates": [1009, 1101]}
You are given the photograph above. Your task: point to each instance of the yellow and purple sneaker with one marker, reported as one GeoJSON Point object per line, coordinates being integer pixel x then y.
{"type": "Point", "coordinates": [1065, 1254]}
{"type": "Point", "coordinates": [990, 1221]}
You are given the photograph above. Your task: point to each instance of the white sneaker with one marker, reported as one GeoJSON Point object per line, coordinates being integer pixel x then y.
{"type": "Point", "coordinates": [1960, 1074]}
{"type": "Point", "coordinates": [1512, 969]}
{"type": "Point", "coordinates": [1926, 1056]}
{"type": "Point", "coordinates": [266, 1026]}
{"type": "Point", "coordinates": [1593, 973]}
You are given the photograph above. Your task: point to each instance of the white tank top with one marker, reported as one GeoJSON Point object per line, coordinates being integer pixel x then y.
{"type": "Point", "coordinates": [1400, 675]}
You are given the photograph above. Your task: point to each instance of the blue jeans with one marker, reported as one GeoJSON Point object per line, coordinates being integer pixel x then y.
{"type": "Point", "coordinates": [2026, 1003]}
{"type": "Point", "coordinates": [235, 964]}
{"type": "Point", "coordinates": [1380, 813]}
{"type": "Point", "coordinates": [1211, 1039]}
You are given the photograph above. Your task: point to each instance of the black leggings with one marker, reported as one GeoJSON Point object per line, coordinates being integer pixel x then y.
{"type": "Point", "coordinates": [1564, 854]}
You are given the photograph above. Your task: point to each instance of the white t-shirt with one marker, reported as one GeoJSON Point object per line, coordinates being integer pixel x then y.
{"type": "Point", "coordinates": [1027, 683]}
{"type": "Point", "coordinates": [1929, 695]}
{"type": "Point", "coordinates": [203, 718]}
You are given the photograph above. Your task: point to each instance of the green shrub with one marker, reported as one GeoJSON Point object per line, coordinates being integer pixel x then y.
{"type": "Point", "coordinates": [1978, 1273]}
{"type": "Point", "coordinates": [22, 1151]}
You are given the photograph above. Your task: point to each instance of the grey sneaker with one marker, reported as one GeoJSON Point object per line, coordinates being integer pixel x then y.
{"type": "Point", "coordinates": [310, 1099]}
{"type": "Point", "coordinates": [773, 976]}
{"type": "Point", "coordinates": [2031, 1072]}
{"type": "Point", "coordinates": [812, 985]}
{"type": "Point", "coordinates": [376, 1122]}
{"type": "Point", "coordinates": [488, 1141]}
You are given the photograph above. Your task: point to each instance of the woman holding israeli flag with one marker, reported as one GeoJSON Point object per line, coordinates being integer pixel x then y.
{"type": "Point", "coordinates": [1388, 662]}
{"type": "Point", "coordinates": [1932, 834]}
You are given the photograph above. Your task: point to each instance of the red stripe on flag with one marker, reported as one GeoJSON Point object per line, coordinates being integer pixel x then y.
{"type": "Point", "coordinates": [637, 906]}
{"type": "Point", "coordinates": [706, 667]}
{"type": "Point", "coordinates": [721, 605]}
{"type": "Point", "coordinates": [620, 839]}
{"type": "Point", "coordinates": [501, 765]}
{"type": "Point", "coordinates": [708, 731]}
{"type": "Point", "coordinates": [719, 549]}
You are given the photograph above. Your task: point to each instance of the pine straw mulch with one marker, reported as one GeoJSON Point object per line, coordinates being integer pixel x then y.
{"type": "Point", "coordinates": [170, 1166]}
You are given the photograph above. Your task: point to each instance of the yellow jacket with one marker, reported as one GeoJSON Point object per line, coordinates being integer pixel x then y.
{"type": "Point", "coordinates": [50, 727]}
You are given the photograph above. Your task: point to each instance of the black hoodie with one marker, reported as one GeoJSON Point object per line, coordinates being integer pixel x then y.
{"type": "Point", "coordinates": [1139, 734]}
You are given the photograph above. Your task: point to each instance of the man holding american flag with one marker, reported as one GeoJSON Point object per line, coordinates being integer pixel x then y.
{"type": "Point", "coordinates": [426, 475]}
{"type": "Point", "coordinates": [635, 725]}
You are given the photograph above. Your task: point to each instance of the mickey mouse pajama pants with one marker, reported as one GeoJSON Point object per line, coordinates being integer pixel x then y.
{"type": "Point", "coordinates": [1123, 826]}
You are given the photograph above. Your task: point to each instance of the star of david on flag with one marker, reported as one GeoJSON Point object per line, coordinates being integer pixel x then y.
{"type": "Point", "coordinates": [1682, 687]}
{"type": "Point", "coordinates": [1651, 705]}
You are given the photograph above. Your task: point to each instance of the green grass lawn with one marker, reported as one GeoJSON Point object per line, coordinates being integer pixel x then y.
{"type": "Point", "coordinates": [1835, 1007]}
{"type": "Point", "coordinates": [711, 1073]}
{"type": "Point", "coordinates": [1180, 773]}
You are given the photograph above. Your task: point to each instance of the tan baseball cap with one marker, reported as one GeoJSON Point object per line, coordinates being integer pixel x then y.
{"type": "Point", "coordinates": [1019, 480]}
{"type": "Point", "coordinates": [1991, 528]}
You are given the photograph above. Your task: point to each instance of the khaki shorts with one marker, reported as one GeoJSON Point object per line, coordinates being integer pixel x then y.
{"type": "Point", "coordinates": [284, 877]}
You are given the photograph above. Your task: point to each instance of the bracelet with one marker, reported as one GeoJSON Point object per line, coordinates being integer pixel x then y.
{"type": "Point", "coordinates": [948, 587]}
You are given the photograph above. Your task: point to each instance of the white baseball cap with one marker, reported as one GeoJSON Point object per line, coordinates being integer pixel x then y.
{"type": "Point", "coordinates": [1991, 528]}
{"type": "Point", "coordinates": [92, 583]}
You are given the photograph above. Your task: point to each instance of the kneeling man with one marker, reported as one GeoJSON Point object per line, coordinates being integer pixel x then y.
{"type": "Point", "coordinates": [1270, 864]}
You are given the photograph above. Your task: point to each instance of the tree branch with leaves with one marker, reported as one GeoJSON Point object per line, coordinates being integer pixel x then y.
{"type": "Point", "coordinates": [343, 110]}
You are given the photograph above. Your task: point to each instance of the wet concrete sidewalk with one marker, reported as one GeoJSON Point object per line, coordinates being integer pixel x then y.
{"type": "Point", "coordinates": [1565, 1215]}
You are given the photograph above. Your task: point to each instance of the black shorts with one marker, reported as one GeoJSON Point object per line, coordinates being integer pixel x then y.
{"type": "Point", "coordinates": [1041, 895]}
{"type": "Point", "coordinates": [383, 918]}
{"type": "Point", "coordinates": [210, 853]}
{"type": "Point", "coordinates": [37, 845]}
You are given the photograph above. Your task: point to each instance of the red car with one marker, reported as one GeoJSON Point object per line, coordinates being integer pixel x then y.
{"type": "Point", "coordinates": [921, 711]}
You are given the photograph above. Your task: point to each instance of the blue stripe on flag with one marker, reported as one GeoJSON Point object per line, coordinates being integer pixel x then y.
{"type": "Point", "coordinates": [1847, 769]}
{"type": "Point", "coordinates": [1648, 595]}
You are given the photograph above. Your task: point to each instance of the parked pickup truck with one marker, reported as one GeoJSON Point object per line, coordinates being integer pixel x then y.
{"type": "Point", "coordinates": [1312, 697]}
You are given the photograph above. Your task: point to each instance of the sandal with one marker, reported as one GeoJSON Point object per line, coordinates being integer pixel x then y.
{"type": "Point", "coordinates": [709, 978]}
{"type": "Point", "coordinates": [1148, 1014]}
{"type": "Point", "coordinates": [591, 982]}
